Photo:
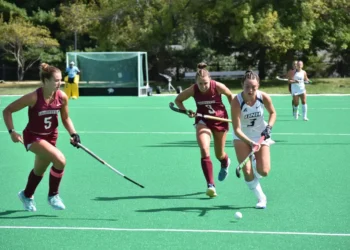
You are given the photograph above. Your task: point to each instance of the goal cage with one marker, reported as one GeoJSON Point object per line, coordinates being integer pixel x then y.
{"type": "Point", "coordinates": [111, 73]}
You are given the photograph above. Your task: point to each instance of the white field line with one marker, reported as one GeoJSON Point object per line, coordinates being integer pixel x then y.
{"type": "Point", "coordinates": [190, 133]}
{"type": "Point", "coordinates": [177, 230]}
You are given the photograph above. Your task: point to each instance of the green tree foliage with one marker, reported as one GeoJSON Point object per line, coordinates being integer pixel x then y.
{"type": "Point", "coordinates": [25, 42]}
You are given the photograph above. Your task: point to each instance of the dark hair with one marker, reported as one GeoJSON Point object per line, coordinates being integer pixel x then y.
{"type": "Point", "coordinates": [250, 75]}
{"type": "Point", "coordinates": [201, 71]}
{"type": "Point", "coordinates": [47, 71]}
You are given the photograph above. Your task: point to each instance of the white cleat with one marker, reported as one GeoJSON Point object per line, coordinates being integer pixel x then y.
{"type": "Point", "coordinates": [261, 204]}
{"type": "Point", "coordinates": [305, 119]}
{"type": "Point", "coordinates": [211, 191]}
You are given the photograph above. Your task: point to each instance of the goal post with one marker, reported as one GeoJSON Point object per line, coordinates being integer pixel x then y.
{"type": "Point", "coordinates": [111, 73]}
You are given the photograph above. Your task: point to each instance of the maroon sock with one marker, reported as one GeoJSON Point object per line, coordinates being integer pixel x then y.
{"type": "Point", "coordinates": [55, 179]}
{"type": "Point", "coordinates": [207, 167]}
{"type": "Point", "coordinates": [33, 182]}
{"type": "Point", "coordinates": [224, 161]}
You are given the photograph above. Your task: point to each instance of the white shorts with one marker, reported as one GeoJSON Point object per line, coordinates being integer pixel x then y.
{"type": "Point", "coordinates": [298, 89]}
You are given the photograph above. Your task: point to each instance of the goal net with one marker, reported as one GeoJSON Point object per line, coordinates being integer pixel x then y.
{"type": "Point", "coordinates": [111, 73]}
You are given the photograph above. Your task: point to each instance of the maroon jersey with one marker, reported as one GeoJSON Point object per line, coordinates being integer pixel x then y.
{"type": "Point", "coordinates": [43, 117]}
{"type": "Point", "coordinates": [210, 103]}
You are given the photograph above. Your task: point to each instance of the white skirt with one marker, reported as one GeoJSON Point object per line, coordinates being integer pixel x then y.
{"type": "Point", "coordinates": [298, 88]}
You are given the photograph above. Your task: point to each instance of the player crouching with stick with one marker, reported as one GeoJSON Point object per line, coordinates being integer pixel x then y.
{"type": "Point", "coordinates": [40, 134]}
{"type": "Point", "coordinates": [247, 112]}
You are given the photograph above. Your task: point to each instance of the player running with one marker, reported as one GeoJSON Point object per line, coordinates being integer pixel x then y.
{"type": "Point", "coordinates": [247, 111]}
{"type": "Point", "coordinates": [41, 133]}
{"type": "Point", "coordinates": [297, 82]}
{"type": "Point", "coordinates": [207, 95]}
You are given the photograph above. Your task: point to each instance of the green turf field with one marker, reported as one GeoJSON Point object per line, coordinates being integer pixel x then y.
{"type": "Point", "coordinates": [307, 189]}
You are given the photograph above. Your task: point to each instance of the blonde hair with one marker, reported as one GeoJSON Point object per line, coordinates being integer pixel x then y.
{"type": "Point", "coordinates": [47, 71]}
{"type": "Point", "coordinates": [201, 71]}
{"type": "Point", "coordinates": [251, 76]}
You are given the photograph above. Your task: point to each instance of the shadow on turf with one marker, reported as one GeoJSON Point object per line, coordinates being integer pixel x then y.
{"type": "Point", "coordinates": [3, 216]}
{"type": "Point", "coordinates": [200, 210]}
{"type": "Point", "coordinates": [160, 197]}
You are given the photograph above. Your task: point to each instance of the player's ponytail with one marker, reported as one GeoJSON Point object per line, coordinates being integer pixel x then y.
{"type": "Point", "coordinates": [201, 71]}
{"type": "Point", "coordinates": [250, 75]}
{"type": "Point", "coordinates": [46, 71]}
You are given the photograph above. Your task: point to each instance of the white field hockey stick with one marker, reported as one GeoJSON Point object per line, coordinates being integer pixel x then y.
{"type": "Point", "coordinates": [210, 117]}
{"type": "Point", "coordinates": [105, 163]}
{"type": "Point", "coordinates": [282, 79]}
{"type": "Point", "coordinates": [245, 161]}
{"type": "Point", "coordinates": [286, 80]}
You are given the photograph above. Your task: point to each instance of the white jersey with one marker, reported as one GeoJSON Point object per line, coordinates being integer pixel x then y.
{"type": "Point", "coordinates": [252, 117]}
{"type": "Point", "coordinates": [299, 87]}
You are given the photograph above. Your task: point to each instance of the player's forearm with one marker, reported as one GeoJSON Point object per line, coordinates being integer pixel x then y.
{"type": "Point", "coordinates": [238, 132]}
{"type": "Point", "coordinates": [179, 104]}
{"type": "Point", "coordinates": [8, 118]}
{"type": "Point", "coordinates": [272, 119]}
{"type": "Point", "coordinates": [68, 124]}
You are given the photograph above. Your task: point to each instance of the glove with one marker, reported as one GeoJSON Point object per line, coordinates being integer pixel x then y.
{"type": "Point", "coordinates": [267, 132]}
{"type": "Point", "coordinates": [190, 113]}
{"type": "Point", "coordinates": [76, 139]}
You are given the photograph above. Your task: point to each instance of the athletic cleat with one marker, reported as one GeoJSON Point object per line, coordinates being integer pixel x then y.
{"type": "Point", "coordinates": [211, 192]}
{"type": "Point", "coordinates": [28, 203]}
{"type": "Point", "coordinates": [56, 202]}
{"type": "Point", "coordinates": [305, 119]}
{"type": "Point", "coordinates": [224, 171]}
{"type": "Point", "coordinates": [261, 204]}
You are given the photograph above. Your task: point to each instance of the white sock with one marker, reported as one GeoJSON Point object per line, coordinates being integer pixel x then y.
{"type": "Point", "coordinates": [295, 108]}
{"type": "Point", "coordinates": [304, 108]}
{"type": "Point", "coordinates": [255, 186]}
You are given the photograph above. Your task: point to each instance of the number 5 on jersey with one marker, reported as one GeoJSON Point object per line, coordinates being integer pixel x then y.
{"type": "Point", "coordinates": [48, 122]}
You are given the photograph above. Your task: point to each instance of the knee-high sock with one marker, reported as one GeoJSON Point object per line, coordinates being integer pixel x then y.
{"type": "Point", "coordinates": [33, 182]}
{"type": "Point", "coordinates": [207, 167]}
{"type": "Point", "coordinates": [255, 186]}
{"type": "Point", "coordinates": [224, 161]}
{"type": "Point", "coordinates": [304, 108]}
{"type": "Point", "coordinates": [55, 180]}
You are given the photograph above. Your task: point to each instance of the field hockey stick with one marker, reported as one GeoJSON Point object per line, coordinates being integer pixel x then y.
{"type": "Point", "coordinates": [105, 163]}
{"type": "Point", "coordinates": [281, 79]}
{"type": "Point", "coordinates": [244, 162]}
{"type": "Point", "coordinates": [210, 117]}
{"type": "Point", "coordinates": [184, 111]}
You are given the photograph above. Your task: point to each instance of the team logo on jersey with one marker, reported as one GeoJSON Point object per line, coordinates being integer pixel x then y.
{"type": "Point", "coordinates": [252, 115]}
{"type": "Point", "coordinates": [245, 110]}
{"type": "Point", "coordinates": [206, 102]}
{"type": "Point", "coordinates": [48, 112]}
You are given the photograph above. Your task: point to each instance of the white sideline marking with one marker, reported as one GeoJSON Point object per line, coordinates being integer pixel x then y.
{"type": "Point", "coordinates": [188, 133]}
{"type": "Point", "coordinates": [176, 230]}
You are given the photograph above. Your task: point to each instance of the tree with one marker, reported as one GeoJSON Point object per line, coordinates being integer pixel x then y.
{"type": "Point", "coordinates": [76, 18]}
{"type": "Point", "coordinates": [25, 42]}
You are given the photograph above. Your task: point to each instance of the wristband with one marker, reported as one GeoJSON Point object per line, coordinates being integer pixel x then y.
{"type": "Point", "coordinates": [11, 130]}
